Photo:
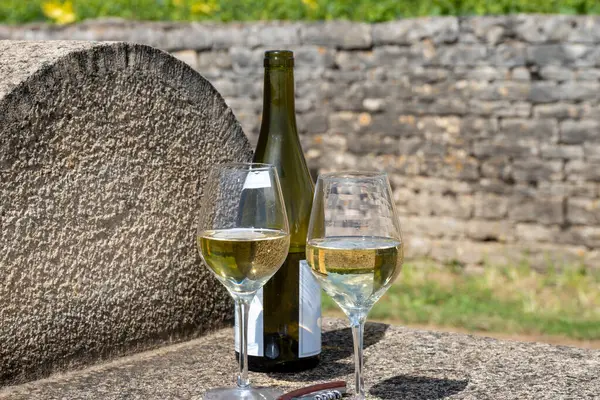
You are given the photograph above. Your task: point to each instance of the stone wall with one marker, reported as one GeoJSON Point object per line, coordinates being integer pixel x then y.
{"type": "Point", "coordinates": [488, 126]}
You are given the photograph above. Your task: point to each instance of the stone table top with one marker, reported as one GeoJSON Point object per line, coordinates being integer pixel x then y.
{"type": "Point", "coordinates": [400, 363]}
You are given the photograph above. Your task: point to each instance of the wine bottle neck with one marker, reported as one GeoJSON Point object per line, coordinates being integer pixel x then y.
{"type": "Point", "coordinates": [279, 117]}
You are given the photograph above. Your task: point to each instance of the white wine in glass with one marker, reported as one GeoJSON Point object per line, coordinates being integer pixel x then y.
{"type": "Point", "coordinates": [355, 271]}
{"type": "Point", "coordinates": [243, 238]}
{"type": "Point", "coordinates": [243, 259]}
{"type": "Point", "coordinates": [354, 246]}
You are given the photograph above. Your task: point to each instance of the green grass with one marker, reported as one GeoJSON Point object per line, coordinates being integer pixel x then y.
{"type": "Point", "coordinates": [513, 300]}
{"type": "Point", "coordinates": [64, 11]}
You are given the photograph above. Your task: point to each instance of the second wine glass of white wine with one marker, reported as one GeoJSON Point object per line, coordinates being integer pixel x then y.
{"type": "Point", "coordinates": [354, 247]}
{"type": "Point", "coordinates": [243, 238]}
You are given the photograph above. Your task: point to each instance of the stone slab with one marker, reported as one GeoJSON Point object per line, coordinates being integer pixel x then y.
{"type": "Point", "coordinates": [400, 363]}
{"type": "Point", "coordinates": [104, 151]}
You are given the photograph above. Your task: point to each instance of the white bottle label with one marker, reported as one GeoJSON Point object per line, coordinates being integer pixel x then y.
{"type": "Point", "coordinates": [310, 312]}
{"type": "Point", "coordinates": [255, 327]}
{"type": "Point", "coordinates": [257, 180]}
{"type": "Point", "coordinates": [309, 318]}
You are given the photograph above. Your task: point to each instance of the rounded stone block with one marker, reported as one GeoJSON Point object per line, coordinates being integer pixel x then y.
{"type": "Point", "coordinates": [104, 151]}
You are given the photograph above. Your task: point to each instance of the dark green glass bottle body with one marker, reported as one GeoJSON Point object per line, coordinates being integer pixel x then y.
{"type": "Point", "coordinates": [291, 309]}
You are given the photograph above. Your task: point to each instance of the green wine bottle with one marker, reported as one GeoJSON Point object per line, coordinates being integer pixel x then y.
{"type": "Point", "coordinates": [284, 327]}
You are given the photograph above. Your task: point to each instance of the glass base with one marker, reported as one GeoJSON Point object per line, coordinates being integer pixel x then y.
{"type": "Point", "coordinates": [250, 393]}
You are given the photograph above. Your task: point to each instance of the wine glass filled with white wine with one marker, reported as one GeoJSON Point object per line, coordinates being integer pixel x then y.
{"type": "Point", "coordinates": [243, 238]}
{"type": "Point", "coordinates": [354, 246]}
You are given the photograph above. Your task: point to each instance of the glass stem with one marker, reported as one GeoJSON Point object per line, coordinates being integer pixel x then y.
{"type": "Point", "coordinates": [243, 307]}
{"type": "Point", "coordinates": [358, 329]}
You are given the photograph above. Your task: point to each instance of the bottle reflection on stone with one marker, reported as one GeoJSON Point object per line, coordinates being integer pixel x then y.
{"type": "Point", "coordinates": [287, 334]}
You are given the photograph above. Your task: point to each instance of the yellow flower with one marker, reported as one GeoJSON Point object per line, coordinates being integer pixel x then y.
{"type": "Point", "coordinates": [312, 4]}
{"type": "Point", "coordinates": [204, 7]}
{"type": "Point", "coordinates": [61, 13]}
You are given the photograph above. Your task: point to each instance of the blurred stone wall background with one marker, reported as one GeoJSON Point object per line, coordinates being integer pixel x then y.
{"type": "Point", "coordinates": [488, 126]}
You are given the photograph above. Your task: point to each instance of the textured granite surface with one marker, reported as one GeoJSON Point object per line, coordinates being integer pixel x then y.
{"type": "Point", "coordinates": [104, 150]}
{"type": "Point", "coordinates": [400, 364]}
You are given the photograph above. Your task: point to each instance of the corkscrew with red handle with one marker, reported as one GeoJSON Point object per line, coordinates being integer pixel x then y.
{"type": "Point", "coordinates": [322, 391]}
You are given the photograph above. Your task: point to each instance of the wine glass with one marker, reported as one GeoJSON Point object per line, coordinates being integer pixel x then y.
{"type": "Point", "coordinates": [243, 238]}
{"type": "Point", "coordinates": [354, 247]}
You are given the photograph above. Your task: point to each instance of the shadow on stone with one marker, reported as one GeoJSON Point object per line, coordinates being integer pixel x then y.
{"type": "Point", "coordinates": [417, 387]}
{"type": "Point", "coordinates": [337, 345]}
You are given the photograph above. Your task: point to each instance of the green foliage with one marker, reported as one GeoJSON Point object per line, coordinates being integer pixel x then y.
{"type": "Point", "coordinates": [512, 299]}
{"type": "Point", "coordinates": [18, 11]}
